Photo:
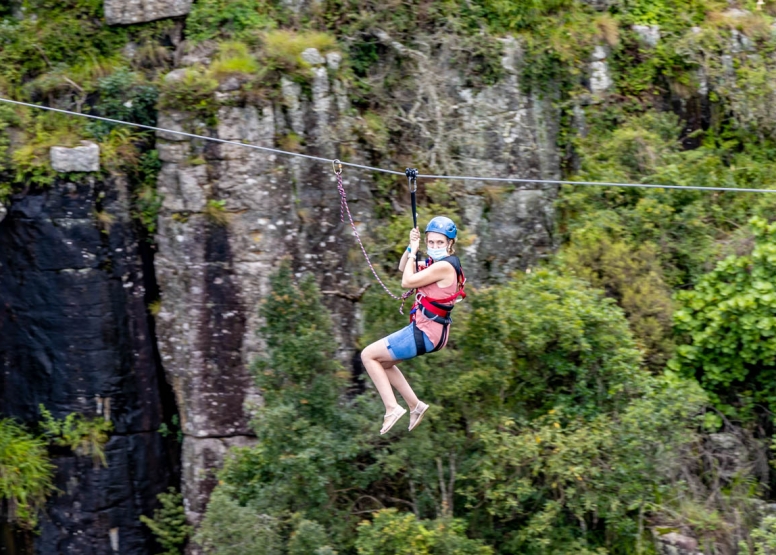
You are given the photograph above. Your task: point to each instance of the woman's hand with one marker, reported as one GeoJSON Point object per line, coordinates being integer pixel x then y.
{"type": "Point", "coordinates": [415, 240]}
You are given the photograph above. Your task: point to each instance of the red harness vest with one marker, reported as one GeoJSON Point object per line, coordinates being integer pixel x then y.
{"type": "Point", "coordinates": [438, 310]}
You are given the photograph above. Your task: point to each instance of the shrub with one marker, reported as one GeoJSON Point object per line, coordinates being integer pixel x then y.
{"type": "Point", "coordinates": [210, 19]}
{"type": "Point", "coordinates": [729, 326]}
{"type": "Point", "coordinates": [84, 436]}
{"type": "Point", "coordinates": [308, 538]}
{"type": "Point", "coordinates": [232, 529]}
{"type": "Point", "coordinates": [632, 275]}
{"type": "Point", "coordinates": [124, 95]}
{"type": "Point", "coordinates": [26, 474]}
{"type": "Point", "coordinates": [169, 523]}
{"type": "Point", "coordinates": [391, 532]}
{"type": "Point", "coordinates": [31, 161]}
{"type": "Point", "coordinates": [763, 538]}
{"type": "Point", "coordinates": [147, 201]}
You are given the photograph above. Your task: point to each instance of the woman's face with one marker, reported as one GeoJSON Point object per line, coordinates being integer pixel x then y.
{"type": "Point", "coordinates": [436, 240]}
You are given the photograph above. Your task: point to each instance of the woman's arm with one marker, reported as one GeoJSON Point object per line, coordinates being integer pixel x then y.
{"type": "Point", "coordinates": [413, 252]}
{"type": "Point", "coordinates": [434, 273]}
{"type": "Point", "coordinates": [403, 260]}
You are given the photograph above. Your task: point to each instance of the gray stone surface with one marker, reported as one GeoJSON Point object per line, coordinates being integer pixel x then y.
{"type": "Point", "coordinates": [174, 121]}
{"type": "Point", "coordinates": [125, 12]}
{"type": "Point", "coordinates": [85, 158]}
{"type": "Point", "coordinates": [731, 454]}
{"type": "Point", "coordinates": [674, 543]}
{"type": "Point", "coordinates": [648, 35]}
{"type": "Point", "coordinates": [196, 54]}
{"type": "Point", "coordinates": [333, 60]}
{"type": "Point", "coordinates": [600, 78]}
{"type": "Point", "coordinates": [313, 57]}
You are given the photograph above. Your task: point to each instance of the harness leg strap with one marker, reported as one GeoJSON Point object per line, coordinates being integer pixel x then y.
{"type": "Point", "coordinates": [442, 339]}
{"type": "Point", "coordinates": [420, 343]}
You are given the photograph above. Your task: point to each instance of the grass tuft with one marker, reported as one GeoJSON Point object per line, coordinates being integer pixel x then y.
{"type": "Point", "coordinates": [234, 58]}
{"type": "Point", "coordinates": [284, 47]}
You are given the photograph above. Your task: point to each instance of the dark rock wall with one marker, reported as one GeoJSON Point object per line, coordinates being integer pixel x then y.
{"type": "Point", "coordinates": [75, 336]}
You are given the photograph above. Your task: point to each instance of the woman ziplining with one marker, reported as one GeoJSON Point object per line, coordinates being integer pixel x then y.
{"type": "Point", "coordinates": [439, 286]}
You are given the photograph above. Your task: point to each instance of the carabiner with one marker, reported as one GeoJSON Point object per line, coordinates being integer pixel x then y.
{"type": "Point", "coordinates": [334, 164]}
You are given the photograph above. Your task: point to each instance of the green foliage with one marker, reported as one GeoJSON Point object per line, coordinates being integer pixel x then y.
{"type": "Point", "coordinates": [192, 91]}
{"type": "Point", "coordinates": [301, 366]}
{"type": "Point", "coordinates": [670, 14]}
{"type": "Point", "coordinates": [549, 329]}
{"type": "Point", "coordinates": [215, 212]}
{"type": "Point", "coordinates": [233, 58]}
{"type": "Point", "coordinates": [235, 19]}
{"type": "Point", "coordinates": [84, 436]}
{"type": "Point", "coordinates": [633, 276]}
{"type": "Point", "coordinates": [124, 96]}
{"type": "Point", "coordinates": [283, 48]}
{"type": "Point", "coordinates": [763, 538]}
{"type": "Point", "coordinates": [391, 532]}
{"type": "Point", "coordinates": [147, 201]}
{"type": "Point", "coordinates": [26, 474]}
{"type": "Point", "coordinates": [232, 529]}
{"type": "Point", "coordinates": [7, 119]}
{"type": "Point", "coordinates": [516, 16]}
{"type": "Point", "coordinates": [169, 523]}
{"type": "Point", "coordinates": [30, 162]}
{"type": "Point", "coordinates": [563, 470]}
{"type": "Point", "coordinates": [309, 537]}
{"type": "Point", "coordinates": [175, 423]}
{"type": "Point", "coordinates": [55, 33]}
{"type": "Point", "coordinates": [303, 414]}
{"type": "Point", "coordinates": [691, 229]}
{"type": "Point", "coordinates": [728, 320]}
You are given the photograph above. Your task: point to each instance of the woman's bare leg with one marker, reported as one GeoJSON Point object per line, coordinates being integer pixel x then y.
{"type": "Point", "coordinates": [373, 357]}
{"type": "Point", "coordinates": [400, 383]}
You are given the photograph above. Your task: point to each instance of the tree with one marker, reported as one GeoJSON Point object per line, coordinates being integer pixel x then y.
{"type": "Point", "coordinates": [729, 324]}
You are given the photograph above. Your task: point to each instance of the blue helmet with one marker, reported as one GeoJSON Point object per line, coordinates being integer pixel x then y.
{"type": "Point", "coordinates": [443, 225]}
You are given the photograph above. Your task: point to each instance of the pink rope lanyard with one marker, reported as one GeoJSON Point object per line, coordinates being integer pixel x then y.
{"type": "Point", "coordinates": [345, 209]}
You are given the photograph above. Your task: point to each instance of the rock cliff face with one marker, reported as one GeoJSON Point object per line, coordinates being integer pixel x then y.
{"type": "Point", "coordinates": [75, 337]}
{"type": "Point", "coordinates": [126, 12]}
{"type": "Point", "coordinates": [226, 223]}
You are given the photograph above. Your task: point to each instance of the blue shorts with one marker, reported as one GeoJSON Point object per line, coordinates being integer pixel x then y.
{"type": "Point", "coordinates": [401, 344]}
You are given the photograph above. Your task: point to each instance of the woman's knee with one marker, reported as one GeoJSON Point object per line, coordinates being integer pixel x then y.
{"type": "Point", "coordinates": [368, 353]}
{"type": "Point", "coordinates": [377, 352]}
